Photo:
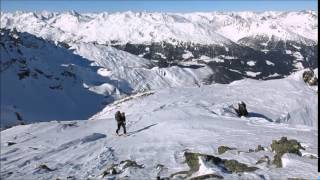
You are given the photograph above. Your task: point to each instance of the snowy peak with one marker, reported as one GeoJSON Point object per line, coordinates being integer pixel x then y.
{"type": "Point", "coordinates": [143, 27]}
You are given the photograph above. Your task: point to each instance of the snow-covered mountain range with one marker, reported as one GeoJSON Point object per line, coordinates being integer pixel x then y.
{"type": "Point", "coordinates": [102, 57]}
{"type": "Point", "coordinates": [227, 40]}
{"type": "Point", "coordinates": [143, 27]}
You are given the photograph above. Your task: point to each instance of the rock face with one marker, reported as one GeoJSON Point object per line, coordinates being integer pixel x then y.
{"type": "Point", "coordinates": [236, 167]}
{"type": "Point", "coordinates": [310, 78]}
{"type": "Point", "coordinates": [122, 166]}
{"type": "Point", "coordinates": [223, 149]}
{"type": "Point", "coordinates": [232, 166]}
{"type": "Point", "coordinates": [259, 148]}
{"type": "Point", "coordinates": [233, 61]}
{"type": "Point", "coordinates": [285, 146]}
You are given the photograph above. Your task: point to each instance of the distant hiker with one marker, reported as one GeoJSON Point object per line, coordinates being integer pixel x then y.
{"type": "Point", "coordinates": [121, 121]}
{"type": "Point", "coordinates": [242, 110]}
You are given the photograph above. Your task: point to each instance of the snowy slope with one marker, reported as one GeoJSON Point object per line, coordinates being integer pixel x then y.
{"type": "Point", "coordinates": [141, 74]}
{"type": "Point", "coordinates": [163, 124]}
{"type": "Point", "coordinates": [62, 85]}
{"type": "Point", "coordinates": [142, 27]}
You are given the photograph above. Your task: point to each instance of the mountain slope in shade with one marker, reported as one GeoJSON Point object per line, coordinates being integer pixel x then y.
{"type": "Point", "coordinates": [61, 85]}
{"type": "Point", "coordinates": [42, 81]}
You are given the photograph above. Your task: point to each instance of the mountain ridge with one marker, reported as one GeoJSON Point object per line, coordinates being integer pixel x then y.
{"type": "Point", "coordinates": [143, 27]}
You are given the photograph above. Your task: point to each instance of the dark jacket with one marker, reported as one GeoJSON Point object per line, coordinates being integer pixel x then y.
{"type": "Point", "coordinates": [117, 116]}
{"type": "Point", "coordinates": [242, 111]}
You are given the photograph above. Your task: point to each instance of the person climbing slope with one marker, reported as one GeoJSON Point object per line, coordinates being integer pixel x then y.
{"type": "Point", "coordinates": [121, 121]}
{"type": "Point", "coordinates": [242, 110]}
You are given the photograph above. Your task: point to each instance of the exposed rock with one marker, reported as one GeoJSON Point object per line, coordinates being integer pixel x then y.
{"type": "Point", "coordinates": [307, 75]}
{"type": "Point", "coordinates": [110, 170]}
{"type": "Point", "coordinates": [259, 148]}
{"type": "Point", "coordinates": [68, 74]}
{"type": "Point", "coordinates": [223, 149]}
{"type": "Point", "coordinates": [24, 73]}
{"type": "Point", "coordinates": [45, 167]}
{"type": "Point", "coordinates": [130, 163]}
{"type": "Point", "coordinates": [285, 146]}
{"type": "Point", "coordinates": [63, 44]}
{"type": "Point", "coordinates": [69, 125]}
{"type": "Point", "coordinates": [56, 87]}
{"type": "Point", "coordinates": [235, 166]}
{"type": "Point", "coordinates": [192, 159]}
{"type": "Point", "coordinates": [310, 78]}
{"type": "Point", "coordinates": [11, 143]}
{"type": "Point", "coordinates": [119, 168]}
{"type": "Point", "coordinates": [164, 178]}
{"type": "Point", "coordinates": [313, 81]}
{"type": "Point", "coordinates": [19, 118]}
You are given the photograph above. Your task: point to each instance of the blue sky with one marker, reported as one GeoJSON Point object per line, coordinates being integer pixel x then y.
{"type": "Point", "coordinates": [157, 5]}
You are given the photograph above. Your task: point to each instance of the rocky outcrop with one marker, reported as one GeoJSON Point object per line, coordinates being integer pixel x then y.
{"type": "Point", "coordinates": [310, 78]}
{"type": "Point", "coordinates": [284, 146]}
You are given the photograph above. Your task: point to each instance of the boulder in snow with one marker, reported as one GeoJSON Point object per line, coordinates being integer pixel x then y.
{"type": "Point", "coordinates": [310, 78]}
{"type": "Point", "coordinates": [284, 146]}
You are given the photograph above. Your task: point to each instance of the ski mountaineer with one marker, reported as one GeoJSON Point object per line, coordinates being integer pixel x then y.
{"type": "Point", "coordinates": [121, 121]}
{"type": "Point", "coordinates": [242, 110]}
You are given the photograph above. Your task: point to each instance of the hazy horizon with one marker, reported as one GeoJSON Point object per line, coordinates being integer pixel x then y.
{"type": "Point", "coordinates": [84, 6]}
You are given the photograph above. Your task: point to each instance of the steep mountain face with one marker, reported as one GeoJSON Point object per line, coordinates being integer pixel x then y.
{"type": "Point", "coordinates": [43, 81]}
{"type": "Point", "coordinates": [232, 62]}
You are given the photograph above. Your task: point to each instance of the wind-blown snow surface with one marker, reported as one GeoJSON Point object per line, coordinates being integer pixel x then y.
{"type": "Point", "coordinates": [142, 27]}
{"type": "Point", "coordinates": [163, 124]}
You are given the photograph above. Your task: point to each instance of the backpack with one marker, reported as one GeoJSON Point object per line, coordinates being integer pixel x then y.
{"type": "Point", "coordinates": [242, 109]}
{"type": "Point", "coordinates": [123, 117]}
